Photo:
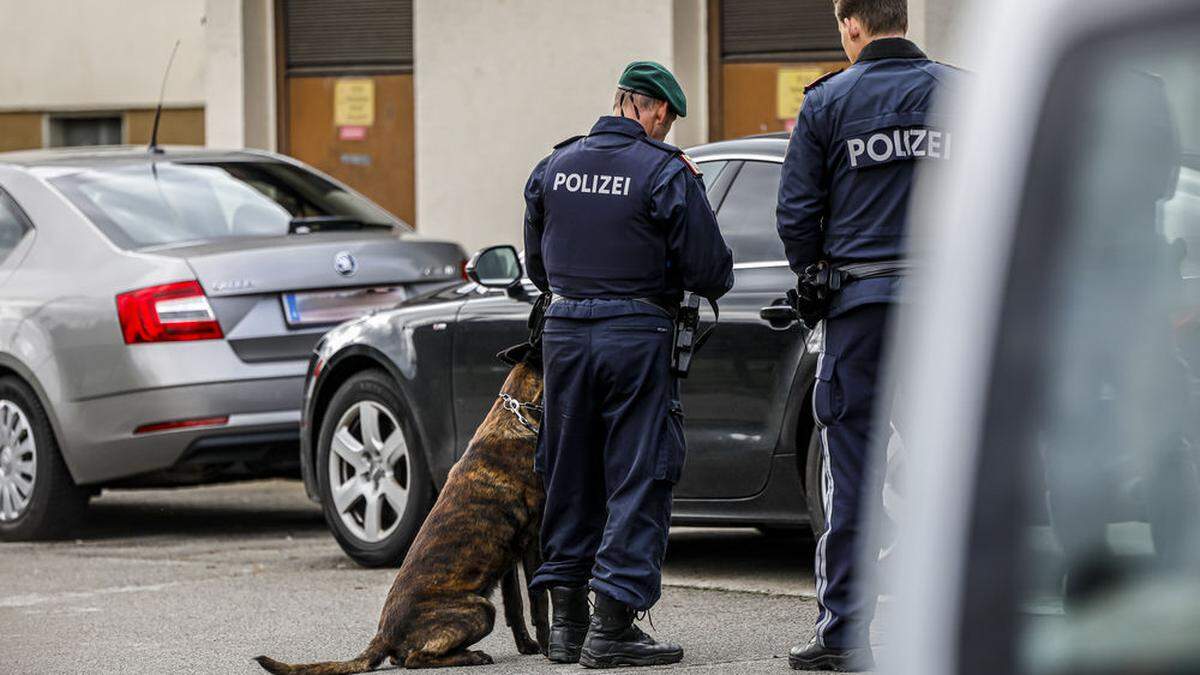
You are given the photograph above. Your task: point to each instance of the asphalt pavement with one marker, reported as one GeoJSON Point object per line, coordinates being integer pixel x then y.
{"type": "Point", "coordinates": [200, 580]}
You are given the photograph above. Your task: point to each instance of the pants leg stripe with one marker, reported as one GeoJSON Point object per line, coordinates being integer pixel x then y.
{"type": "Point", "coordinates": [820, 569]}
{"type": "Point", "coordinates": [822, 545]}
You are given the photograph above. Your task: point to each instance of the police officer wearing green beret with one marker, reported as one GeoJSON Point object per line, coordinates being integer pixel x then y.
{"type": "Point", "coordinates": [617, 227]}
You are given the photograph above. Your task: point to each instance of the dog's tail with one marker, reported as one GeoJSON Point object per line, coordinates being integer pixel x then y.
{"type": "Point", "coordinates": [367, 661]}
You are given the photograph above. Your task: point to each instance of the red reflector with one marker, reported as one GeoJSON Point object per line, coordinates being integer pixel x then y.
{"type": "Point", "coordinates": [1184, 318]}
{"type": "Point", "coordinates": [182, 424]}
{"type": "Point", "coordinates": [167, 313]}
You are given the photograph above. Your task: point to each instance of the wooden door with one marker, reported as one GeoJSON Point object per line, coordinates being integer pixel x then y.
{"type": "Point", "coordinates": [377, 160]}
{"type": "Point", "coordinates": [750, 96]}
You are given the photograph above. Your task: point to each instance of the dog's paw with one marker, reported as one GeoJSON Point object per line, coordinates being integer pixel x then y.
{"type": "Point", "coordinates": [480, 659]}
{"type": "Point", "coordinates": [529, 646]}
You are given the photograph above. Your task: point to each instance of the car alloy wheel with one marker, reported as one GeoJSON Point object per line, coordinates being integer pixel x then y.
{"type": "Point", "coordinates": [369, 471]}
{"type": "Point", "coordinates": [18, 461]}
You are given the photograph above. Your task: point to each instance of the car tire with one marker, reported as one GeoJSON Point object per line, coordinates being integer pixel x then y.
{"type": "Point", "coordinates": [38, 498]}
{"type": "Point", "coordinates": [375, 489]}
{"type": "Point", "coordinates": [814, 466]}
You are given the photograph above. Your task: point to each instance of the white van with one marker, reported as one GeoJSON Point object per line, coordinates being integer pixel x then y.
{"type": "Point", "coordinates": [1049, 366]}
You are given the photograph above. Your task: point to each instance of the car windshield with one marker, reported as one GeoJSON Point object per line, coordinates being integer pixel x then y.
{"type": "Point", "coordinates": [141, 204]}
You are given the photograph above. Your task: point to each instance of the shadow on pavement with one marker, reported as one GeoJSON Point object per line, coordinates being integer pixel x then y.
{"type": "Point", "coordinates": [279, 508]}
{"type": "Point", "coordinates": [695, 542]}
{"type": "Point", "coordinates": [264, 508]}
{"type": "Point", "coordinates": [776, 564]}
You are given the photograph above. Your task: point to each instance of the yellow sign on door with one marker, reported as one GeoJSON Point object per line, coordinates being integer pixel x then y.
{"type": "Point", "coordinates": [354, 102]}
{"type": "Point", "coordinates": [789, 89]}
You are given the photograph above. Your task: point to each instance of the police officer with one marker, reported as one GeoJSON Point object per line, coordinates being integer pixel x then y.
{"type": "Point", "coordinates": [859, 138]}
{"type": "Point", "coordinates": [617, 226]}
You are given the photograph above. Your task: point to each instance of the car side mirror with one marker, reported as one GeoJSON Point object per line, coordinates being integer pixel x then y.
{"type": "Point", "coordinates": [495, 267]}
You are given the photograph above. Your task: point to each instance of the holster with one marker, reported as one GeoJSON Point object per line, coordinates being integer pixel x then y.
{"type": "Point", "coordinates": [531, 349]}
{"type": "Point", "coordinates": [688, 338]}
{"type": "Point", "coordinates": [821, 281]}
{"type": "Point", "coordinates": [814, 293]}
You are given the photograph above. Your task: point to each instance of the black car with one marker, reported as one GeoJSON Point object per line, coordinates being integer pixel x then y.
{"type": "Point", "coordinates": [393, 398]}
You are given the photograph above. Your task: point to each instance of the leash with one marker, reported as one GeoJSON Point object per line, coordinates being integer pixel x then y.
{"type": "Point", "coordinates": [516, 407]}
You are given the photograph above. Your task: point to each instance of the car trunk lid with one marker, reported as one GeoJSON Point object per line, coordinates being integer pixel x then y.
{"type": "Point", "coordinates": [275, 296]}
{"type": "Point", "coordinates": [322, 260]}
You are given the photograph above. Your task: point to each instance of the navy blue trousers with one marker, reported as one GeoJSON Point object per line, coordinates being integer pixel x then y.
{"type": "Point", "coordinates": [610, 451]}
{"type": "Point", "coordinates": [844, 401]}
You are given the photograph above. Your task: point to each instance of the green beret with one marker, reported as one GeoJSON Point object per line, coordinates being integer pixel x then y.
{"type": "Point", "coordinates": [655, 81]}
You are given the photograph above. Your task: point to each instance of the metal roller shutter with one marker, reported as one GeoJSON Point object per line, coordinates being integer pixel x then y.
{"type": "Point", "coordinates": [324, 37]}
{"type": "Point", "coordinates": [755, 28]}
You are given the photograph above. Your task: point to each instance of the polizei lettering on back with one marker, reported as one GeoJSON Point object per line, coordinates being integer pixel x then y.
{"type": "Point", "coordinates": [595, 184]}
{"type": "Point", "coordinates": [882, 147]}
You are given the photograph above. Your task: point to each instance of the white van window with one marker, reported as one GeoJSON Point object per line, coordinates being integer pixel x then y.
{"type": "Point", "coordinates": [1110, 571]}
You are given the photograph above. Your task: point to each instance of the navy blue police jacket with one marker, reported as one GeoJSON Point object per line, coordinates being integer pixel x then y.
{"type": "Point", "coordinates": [859, 138]}
{"type": "Point", "coordinates": [614, 216]}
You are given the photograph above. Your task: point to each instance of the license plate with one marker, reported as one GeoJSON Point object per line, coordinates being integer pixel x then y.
{"type": "Point", "coordinates": [329, 307]}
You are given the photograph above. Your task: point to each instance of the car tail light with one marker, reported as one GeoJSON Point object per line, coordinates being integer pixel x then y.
{"type": "Point", "coordinates": [168, 313]}
{"type": "Point", "coordinates": [462, 270]}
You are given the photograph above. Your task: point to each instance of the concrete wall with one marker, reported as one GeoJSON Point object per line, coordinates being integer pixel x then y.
{"type": "Point", "coordinates": [240, 74]}
{"type": "Point", "coordinates": [499, 82]}
{"type": "Point", "coordinates": [258, 38]}
{"type": "Point", "coordinates": [85, 55]}
{"type": "Point", "coordinates": [689, 42]}
{"type": "Point", "coordinates": [932, 25]}
{"type": "Point", "coordinates": [99, 54]}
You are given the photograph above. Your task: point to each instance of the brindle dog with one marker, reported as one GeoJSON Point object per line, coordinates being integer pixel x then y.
{"type": "Point", "coordinates": [484, 524]}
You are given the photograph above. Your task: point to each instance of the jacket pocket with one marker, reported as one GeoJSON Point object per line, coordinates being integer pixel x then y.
{"type": "Point", "coordinates": [673, 450]}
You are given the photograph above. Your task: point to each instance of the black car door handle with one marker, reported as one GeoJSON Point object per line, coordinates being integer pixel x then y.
{"type": "Point", "coordinates": [779, 314]}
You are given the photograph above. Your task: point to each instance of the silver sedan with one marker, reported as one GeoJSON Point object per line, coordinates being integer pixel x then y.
{"type": "Point", "coordinates": [157, 311]}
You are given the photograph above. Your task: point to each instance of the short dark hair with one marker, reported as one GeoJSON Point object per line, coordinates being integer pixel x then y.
{"type": "Point", "coordinates": [877, 16]}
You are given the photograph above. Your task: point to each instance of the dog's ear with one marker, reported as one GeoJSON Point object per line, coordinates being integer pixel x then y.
{"type": "Point", "coordinates": [515, 354]}
{"type": "Point", "coordinates": [522, 353]}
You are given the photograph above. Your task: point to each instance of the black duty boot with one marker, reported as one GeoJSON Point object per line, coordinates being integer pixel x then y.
{"type": "Point", "coordinates": [613, 640]}
{"type": "Point", "coordinates": [570, 623]}
{"type": "Point", "coordinates": [813, 656]}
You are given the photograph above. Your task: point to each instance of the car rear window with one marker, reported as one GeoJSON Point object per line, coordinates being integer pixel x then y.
{"type": "Point", "coordinates": [145, 204]}
{"type": "Point", "coordinates": [747, 216]}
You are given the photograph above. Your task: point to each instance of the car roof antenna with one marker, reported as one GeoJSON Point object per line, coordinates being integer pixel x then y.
{"type": "Point", "coordinates": [158, 112]}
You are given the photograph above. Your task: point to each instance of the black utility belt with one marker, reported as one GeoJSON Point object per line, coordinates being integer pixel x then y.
{"type": "Point", "coordinates": [843, 273]}
{"type": "Point", "coordinates": [687, 338]}
{"type": "Point", "coordinates": [672, 309]}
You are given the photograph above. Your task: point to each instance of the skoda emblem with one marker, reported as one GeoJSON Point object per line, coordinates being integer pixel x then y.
{"type": "Point", "coordinates": [345, 264]}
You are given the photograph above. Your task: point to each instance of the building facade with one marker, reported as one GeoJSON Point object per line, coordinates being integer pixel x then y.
{"type": "Point", "coordinates": [437, 109]}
